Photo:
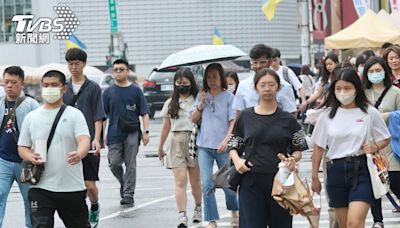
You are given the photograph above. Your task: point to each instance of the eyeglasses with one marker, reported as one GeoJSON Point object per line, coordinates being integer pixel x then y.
{"type": "Point", "coordinates": [118, 70]}
{"type": "Point", "coordinates": [260, 63]}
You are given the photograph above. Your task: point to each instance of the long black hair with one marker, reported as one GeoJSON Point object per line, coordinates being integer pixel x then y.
{"type": "Point", "coordinates": [372, 61]}
{"type": "Point", "coordinates": [347, 74]}
{"type": "Point", "coordinates": [325, 73]}
{"type": "Point", "coordinates": [173, 108]}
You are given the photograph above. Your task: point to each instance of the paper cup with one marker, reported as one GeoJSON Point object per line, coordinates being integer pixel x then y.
{"type": "Point", "coordinates": [41, 148]}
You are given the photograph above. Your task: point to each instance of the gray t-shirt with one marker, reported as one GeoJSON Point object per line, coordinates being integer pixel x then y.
{"type": "Point", "coordinates": [58, 176]}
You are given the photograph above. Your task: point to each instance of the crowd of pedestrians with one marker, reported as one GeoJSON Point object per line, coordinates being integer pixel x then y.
{"type": "Point", "coordinates": [244, 123]}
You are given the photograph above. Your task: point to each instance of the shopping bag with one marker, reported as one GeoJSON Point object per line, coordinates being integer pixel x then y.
{"type": "Point", "coordinates": [379, 175]}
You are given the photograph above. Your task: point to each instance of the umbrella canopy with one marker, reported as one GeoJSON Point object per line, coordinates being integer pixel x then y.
{"type": "Point", "coordinates": [370, 30]}
{"type": "Point", "coordinates": [201, 54]}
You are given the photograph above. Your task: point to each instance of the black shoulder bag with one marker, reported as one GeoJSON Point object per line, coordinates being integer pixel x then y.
{"type": "Point", "coordinates": [12, 116]}
{"type": "Point", "coordinates": [126, 125]}
{"type": "Point", "coordinates": [76, 96]}
{"type": "Point", "coordinates": [31, 173]}
{"type": "Point", "coordinates": [379, 101]}
{"type": "Point", "coordinates": [227, 175]}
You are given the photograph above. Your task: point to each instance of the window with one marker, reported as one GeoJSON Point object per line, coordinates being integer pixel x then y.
{"type": "Point", "coordinates": [8, 9]}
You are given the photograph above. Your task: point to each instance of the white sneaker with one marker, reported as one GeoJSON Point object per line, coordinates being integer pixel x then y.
{"type": "Point", "coordinates": [197, 215]}
{"type": "Point", "coordinates": [212, 224]}
{"type": "Point", "coordinates": [182, 220]}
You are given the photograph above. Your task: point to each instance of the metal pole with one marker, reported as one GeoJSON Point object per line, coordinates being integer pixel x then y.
{"type": "Point", "coordinates": [305, 32]}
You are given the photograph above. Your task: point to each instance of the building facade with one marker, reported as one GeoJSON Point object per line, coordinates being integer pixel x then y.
{"type": "Point", "coordinates": [153, 29]}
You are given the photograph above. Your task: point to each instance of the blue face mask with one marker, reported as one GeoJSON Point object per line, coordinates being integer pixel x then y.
{"type": "Point", "coordinates": [377, 77]}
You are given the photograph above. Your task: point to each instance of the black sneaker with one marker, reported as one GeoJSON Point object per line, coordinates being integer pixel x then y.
{"type": "Point", "coordinates": [127, 201]}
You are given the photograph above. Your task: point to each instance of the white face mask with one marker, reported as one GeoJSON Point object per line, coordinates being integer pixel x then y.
{"type": "Point", "coordinates": [346, 98]}
{"type": "Point", "coordinates": [231, 88]}
{"type": "Point", "coordinates": [51, 94]}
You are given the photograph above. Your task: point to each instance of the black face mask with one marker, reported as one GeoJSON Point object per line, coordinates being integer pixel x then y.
{"type": "Point", "coordinates": [183, 89]}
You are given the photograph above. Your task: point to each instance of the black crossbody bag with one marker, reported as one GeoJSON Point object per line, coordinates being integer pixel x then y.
{"type": "Point", "coordinates": [126, 125]}
{"type": "Point", "coordinates": [31, 173]}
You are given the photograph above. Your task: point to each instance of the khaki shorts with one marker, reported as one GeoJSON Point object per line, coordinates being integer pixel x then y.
{"type": "Point", "coordinates": [178, 151]}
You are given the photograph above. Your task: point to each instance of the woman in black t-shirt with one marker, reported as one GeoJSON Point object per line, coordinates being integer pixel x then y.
{"type": "Point", "coordinates": [260, 133]}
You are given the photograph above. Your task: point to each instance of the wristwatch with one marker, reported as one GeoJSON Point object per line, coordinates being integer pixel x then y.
{"type": "Point", "coordinates": [146, 131]}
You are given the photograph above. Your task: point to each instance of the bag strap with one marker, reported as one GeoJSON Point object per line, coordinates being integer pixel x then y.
{"type": "Point", "coordinates": [76, 96]}
{"type": "Point", "coordinates": [53, 128]}
{"type": "Point", "coordinates": [13, 111]}
{"type": "Point", "coordinates": [285, 73]}
{"type": "Point", "coordinates": [379, 101]}
{"type": "Point", "coordinates": [12, 114]}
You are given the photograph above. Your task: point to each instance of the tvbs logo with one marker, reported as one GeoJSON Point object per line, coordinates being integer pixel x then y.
{"type": "Point", "coordinates": [37, 31]}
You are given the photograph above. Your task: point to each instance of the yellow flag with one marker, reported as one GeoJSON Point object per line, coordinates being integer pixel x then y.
{"type": "Point", "coordinates": [216, 38]}
{"type": "Point", "coordinates": [269, 8]}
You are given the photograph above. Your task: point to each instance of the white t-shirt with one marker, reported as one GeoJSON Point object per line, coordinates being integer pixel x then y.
{"type": "Point", "coordinates": [184, 122]}
{"type": "Point", "coordinates": [58, 176]}
{"type": "Point", "coordinates": [344, 135]}
{"type": "Point", "coordinates": [293, 80]}
{"type": "Point", "coordinates": [76, 87]}
{"type": "Point", "coordinates": [246, 96]}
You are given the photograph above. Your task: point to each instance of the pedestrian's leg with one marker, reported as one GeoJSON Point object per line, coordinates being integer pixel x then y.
{"type": "Point", "coordinates": [131, 148]}
{"type": "Point", "coordinates": [6, 180]}
{"type": "Point", "coordinates": [206, 163]}
{"type": "Point", "coordinates": [72, 209]}
{"type": "Point", "coordinates": [42, 208]}
{"type": "Point", "coordinates": [92, 191]}
{"type": "Point", "coordinates": [333, 221]}
{"type": "Point", "coordinates": [115, 160]}
{"type": "Point", "coordinates": [24, 189]}
{"type": "Point", "coordinates": [376, 211]}
{"type": "Point", "coordinates": [180, 175]}
{"type": "Point", "coordinates": [357, 214]}
{"type": "Point", "coordinates": [195, 182]}
{"type": "Point", "coordinates": [341, 216]}
{"type": "Point", "coordinates": [394, 177]}
{"type": "Point", "coordinates": [253, 205]}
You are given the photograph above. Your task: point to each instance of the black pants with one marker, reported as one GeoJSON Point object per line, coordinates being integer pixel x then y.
{"type": "Point", "coordinates": [256, 206]}
{"type": "Point", "coordinates": [70, 206]}
{"type": "Point", "coordinates": [376, 208]}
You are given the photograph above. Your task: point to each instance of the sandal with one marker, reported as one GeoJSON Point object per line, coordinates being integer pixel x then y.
{"type": "Point", "coordinates": [378, 225]}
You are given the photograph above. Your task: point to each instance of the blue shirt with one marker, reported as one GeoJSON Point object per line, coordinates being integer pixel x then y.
{"type": "Point", "coordinates": [246, 96]}
{"type": "Point", "coordinates": [8, 145]}
{"type": "Point", "coordinates": [128, 102]}
{"type": "Point", "coordinates": [89, 102]}
{"type": "Point", "coordinates": [215, 119]}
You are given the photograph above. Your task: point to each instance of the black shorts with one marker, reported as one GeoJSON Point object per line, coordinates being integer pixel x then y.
{"type": "Point", "coordinates": [70, 206]}
{"type": "Point", "coordinates": [91, 167]}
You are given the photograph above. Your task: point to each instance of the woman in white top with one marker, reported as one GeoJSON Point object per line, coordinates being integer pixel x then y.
{"type": "Point", "coordinates": [177, 124]}
{"type": "Point", "coordinates": [348, 129]}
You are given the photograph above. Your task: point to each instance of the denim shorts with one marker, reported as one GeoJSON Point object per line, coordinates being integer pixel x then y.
{"type": "Point", "coordinates": [348, 180]}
